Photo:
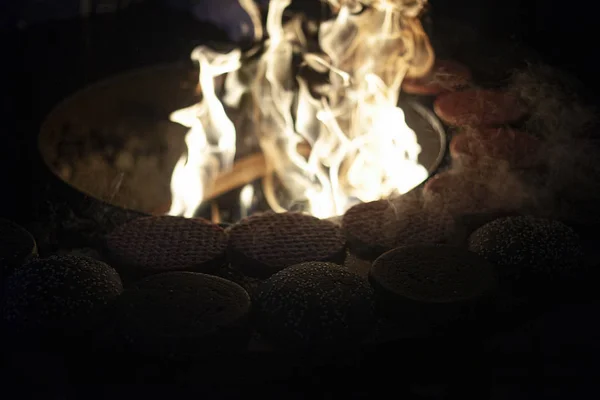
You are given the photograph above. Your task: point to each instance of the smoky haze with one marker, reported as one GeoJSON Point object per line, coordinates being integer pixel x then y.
{"type": "Point", "coordinates": [563, 181]}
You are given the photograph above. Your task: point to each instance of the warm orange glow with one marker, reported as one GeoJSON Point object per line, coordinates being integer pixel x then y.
{"type": "Point", "coordinates": [361, 147]}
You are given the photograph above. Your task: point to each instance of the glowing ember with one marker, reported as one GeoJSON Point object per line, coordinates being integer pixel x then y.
{"type": "Point", "coordinates": [360, 146]}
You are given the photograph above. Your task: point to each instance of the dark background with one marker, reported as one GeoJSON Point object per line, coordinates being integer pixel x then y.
{"type": "Point", "coordinates": [562, 32]}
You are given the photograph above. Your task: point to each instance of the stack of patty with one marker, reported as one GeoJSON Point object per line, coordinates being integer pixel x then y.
{"type": "Point", "coordinates": [151, 245]}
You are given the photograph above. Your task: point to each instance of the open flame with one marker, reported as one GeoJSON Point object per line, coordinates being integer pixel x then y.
{"type": "Point", "coordinates": [360, 146]}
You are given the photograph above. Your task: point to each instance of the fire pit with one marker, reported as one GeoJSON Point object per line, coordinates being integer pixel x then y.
{"type": "Point", "coordinates": [113, 141]}
{"type": "Point", "coordinates": [315, 114]}
{"type": "Point", "coordinates": [312, 124]}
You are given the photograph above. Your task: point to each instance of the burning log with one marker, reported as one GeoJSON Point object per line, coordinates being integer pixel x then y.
{"type": "Point", "coordinates": [244, 171]}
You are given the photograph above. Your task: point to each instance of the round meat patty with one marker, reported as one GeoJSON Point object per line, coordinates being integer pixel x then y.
{"type": "Point", "coordinates": [180, 315]}
{"type": "Point", "coordinates": [315, 305]}
{"type": "Point", "coordinates": [446, 76]}
{"type": "Point", "coordinates": [264, 244]}
{"type": "Point", "coordinates": [530, 253]}
{"type": "Point", "coordinates": [485, 146]}
{"type": "Point", "coordinates": [151, 245]}
{"type": "Point", "coordinates": [376, 227]}
{"type": "Point", "coordinates": [457, 192]}
{"type": "Point", "coordinates": [58, 296]}
{"type": "Point", "coordinates": [432, 285]}
{"type": "Point", "coordinates": [477, 190]}
{"type": "Point", "coordinates": [479, 107]}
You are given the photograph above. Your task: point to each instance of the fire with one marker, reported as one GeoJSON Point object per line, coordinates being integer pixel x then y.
{"type": "Point", "coordinates": [211, 138]}
{"type": "Point", "coordinates": [360, 146]}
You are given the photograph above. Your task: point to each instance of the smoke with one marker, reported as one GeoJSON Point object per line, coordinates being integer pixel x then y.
{"type": "Point", "coordinates": [553, 97]}
{"type": "Point", "coordinates": [408, 220]}
{"type": "Point", "coordinates": [561, 181]}
{"type": "Point", "coordinates": [567, 183]}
